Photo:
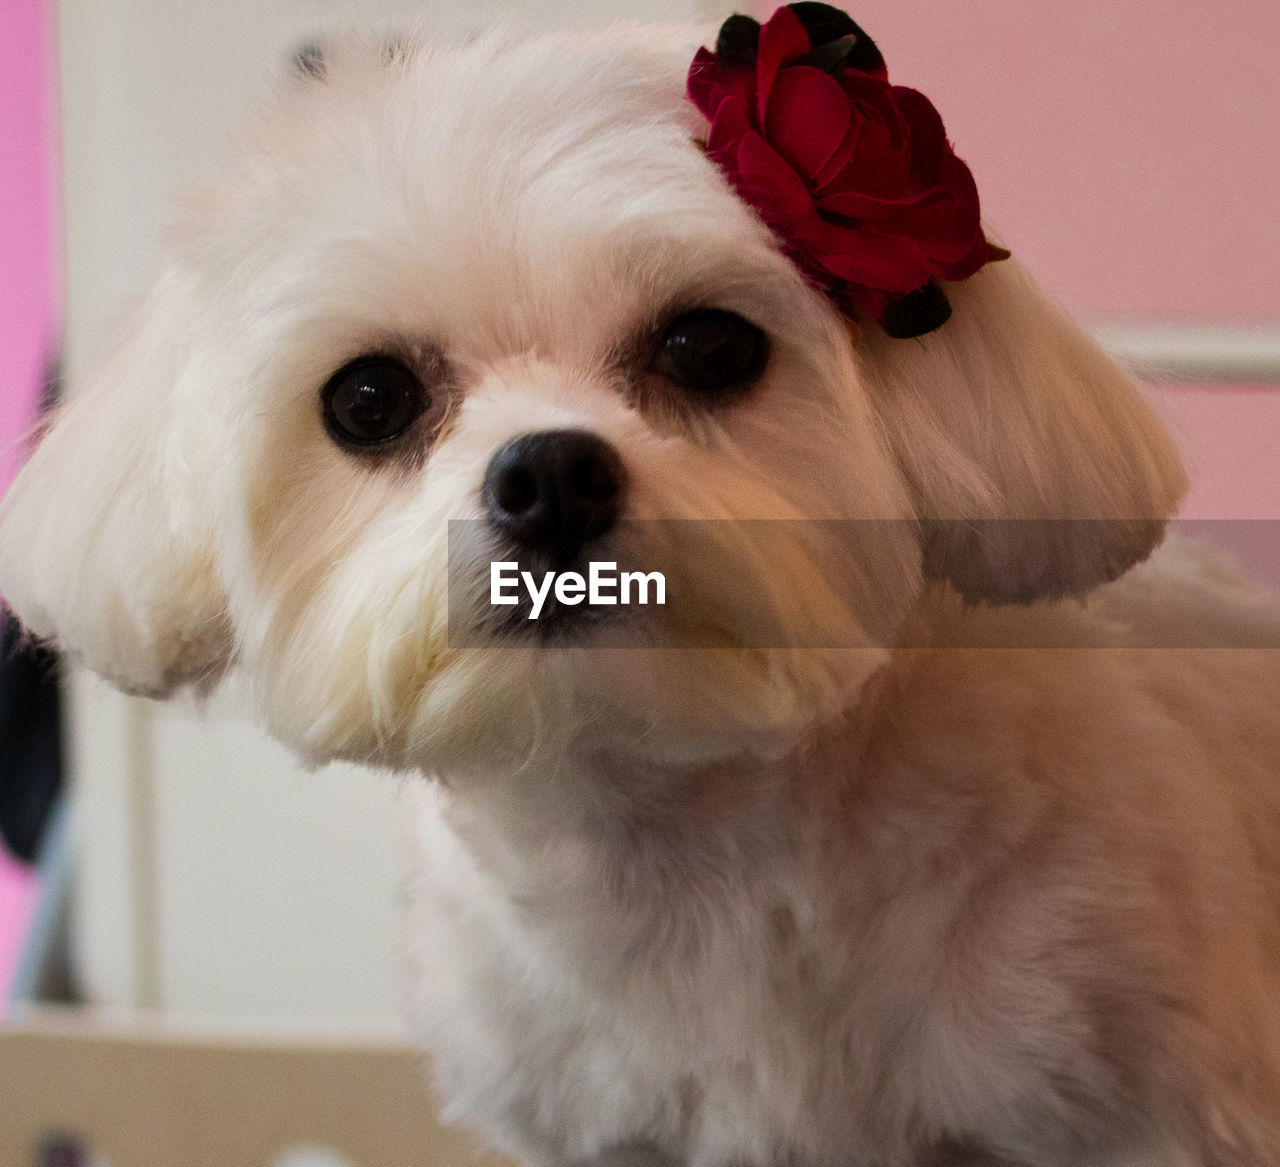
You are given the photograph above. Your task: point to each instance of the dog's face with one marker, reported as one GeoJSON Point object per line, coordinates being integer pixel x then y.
{"type": "Point", "coordinates": [492, 302]}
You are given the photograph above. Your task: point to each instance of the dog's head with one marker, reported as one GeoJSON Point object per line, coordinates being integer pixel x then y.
{"type": "Point", "coordinates": [496, 297]}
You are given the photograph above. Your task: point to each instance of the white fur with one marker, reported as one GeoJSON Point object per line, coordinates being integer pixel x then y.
{"type": "Point", "coordinates": [948, 890]}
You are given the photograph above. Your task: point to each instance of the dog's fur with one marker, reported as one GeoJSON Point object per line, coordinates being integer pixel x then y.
{"type": "Point", "coordinates": [950, 892]}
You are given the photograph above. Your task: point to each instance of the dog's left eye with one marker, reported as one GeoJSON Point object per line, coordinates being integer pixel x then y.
{"type": "Point", "coordinates": [712, 352]}
{"type": "Point", "coordinates": [371, 401]}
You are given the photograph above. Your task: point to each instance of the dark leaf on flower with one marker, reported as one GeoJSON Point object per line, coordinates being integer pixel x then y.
{"type": "Point", "coordinates": [825, 24]}
{"type": "Point", "coordinates": [830, 58]}
{"type": "Point", "coordinates": [917, 312]}
{"type": "Point", "coordinates": [738, 42]}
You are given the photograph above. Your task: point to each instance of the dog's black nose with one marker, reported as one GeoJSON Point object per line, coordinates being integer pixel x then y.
{"type": "Point", "coordinates": [555, 490]}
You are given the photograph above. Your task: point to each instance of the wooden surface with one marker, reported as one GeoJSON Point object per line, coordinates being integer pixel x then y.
{"type": "Point", "coordinates": [149, 1096]}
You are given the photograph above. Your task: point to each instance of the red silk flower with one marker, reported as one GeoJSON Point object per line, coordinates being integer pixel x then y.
{"type": "Point", "coordinates": [854, 175]}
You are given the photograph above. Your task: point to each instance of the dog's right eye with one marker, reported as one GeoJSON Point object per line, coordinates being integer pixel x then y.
{"type": "Point", "coordinates": [371, 401]}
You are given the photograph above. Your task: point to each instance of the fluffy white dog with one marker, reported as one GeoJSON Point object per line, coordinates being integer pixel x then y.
{"type": "Point", "coordinates": [914, 829]}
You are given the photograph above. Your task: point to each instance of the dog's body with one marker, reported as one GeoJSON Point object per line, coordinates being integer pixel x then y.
{"type": "Point", "coordinates": [1019, 903]}
{"type": "Point", "coordinates": [821, 864]}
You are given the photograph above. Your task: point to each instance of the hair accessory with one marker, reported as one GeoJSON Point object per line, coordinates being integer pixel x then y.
{"type": "Point", "coordinates": [853, 175]}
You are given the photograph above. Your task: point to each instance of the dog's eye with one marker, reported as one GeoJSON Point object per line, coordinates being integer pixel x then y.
{"type": "Point", "coordinates": [712, 352]}
{"type": "Point", "coordinates": [371, 401]}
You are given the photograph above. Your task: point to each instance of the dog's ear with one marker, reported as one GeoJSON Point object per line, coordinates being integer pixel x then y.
{"type": "Point", "coordinates": [1038, 467]}
{"type": "Point", "coordinates": [106, 533]}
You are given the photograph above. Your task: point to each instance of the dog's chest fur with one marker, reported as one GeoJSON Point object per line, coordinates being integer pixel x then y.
{"type": "Point", "coordinates": [914, 934]}
{"type": "Point", "coordinates": [738, 1015]}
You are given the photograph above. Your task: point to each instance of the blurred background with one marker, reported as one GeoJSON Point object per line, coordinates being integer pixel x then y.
{"type": "Point", "coordinates": [1126, 151]}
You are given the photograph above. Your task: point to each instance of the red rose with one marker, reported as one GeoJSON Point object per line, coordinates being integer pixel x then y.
{"type": "Point", "coordinates": [854, 175]}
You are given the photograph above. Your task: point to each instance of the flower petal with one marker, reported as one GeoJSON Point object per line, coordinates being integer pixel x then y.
{"type": "Point", "coordinates": [876, 166]}
{"type": "Point", "coordinates": [781, 39]}
{"type": "Point", "coordinates": [928, 146]}
{"type": "Point", "coordinates": [806, 118]}
{"type": "Point", "coordinates": [945, 230]}
{"type": "Point", "coordinates": [852, 204]}
{"type": "Point", "coordinates": [963, 268]}
{"type": "Point", "coordinates": [887, 263]}
{"type": "Point", "coordinates": [957, 180]}
{"type": "Point", "coordinates": [834, 166]}
{"type": "Point", "coordinates": [703, 85]}
{"type": "Point", "coordinates": [772, 184]}
{"type": "Point", "coordinates": [728, 128]}
{"type": "Point", "coordinates": [854, 177]}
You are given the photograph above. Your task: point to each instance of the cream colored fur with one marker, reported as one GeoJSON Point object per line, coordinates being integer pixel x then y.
{"type": "Point", "coordinates": [831, 863]}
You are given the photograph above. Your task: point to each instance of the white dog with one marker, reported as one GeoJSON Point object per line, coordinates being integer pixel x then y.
{"type": "Point", "coordinates": [910, 831]}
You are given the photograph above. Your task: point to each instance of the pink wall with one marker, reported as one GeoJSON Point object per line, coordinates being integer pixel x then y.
{"type": "Point", "coordinates": [1129, 151]}
{"type": "Point", "coordinates": [1230, 436]}
{"type": "Point", "coordinates": [28, 272]}
{"type": "Point", "coordinates": [29, 290]}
